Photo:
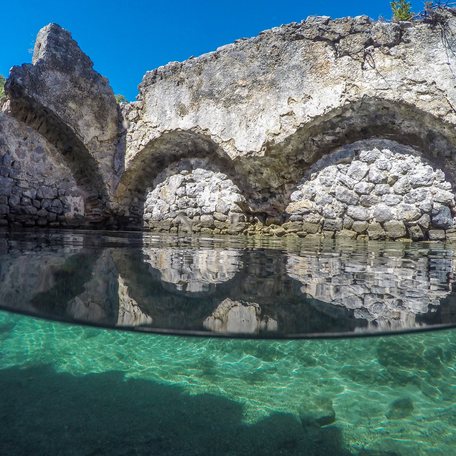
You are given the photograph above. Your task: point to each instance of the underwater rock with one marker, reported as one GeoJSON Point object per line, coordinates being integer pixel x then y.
{"type": "Point", "coordinates": [318, 411]}
{"type": "Point", "coordinates": [400, 408]}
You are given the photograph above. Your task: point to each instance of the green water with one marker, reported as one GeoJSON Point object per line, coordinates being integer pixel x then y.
{"type": "Point", "coordinates": [74, 390]}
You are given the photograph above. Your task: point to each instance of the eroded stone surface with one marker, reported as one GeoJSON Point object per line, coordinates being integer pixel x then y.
{"type": "Point", "coordinates": [385, 188]}
{"type": "Point", "coordinates": [36, 187]}
{"type": "Point", "coordinates": [192, 195]}
{"type": "Point", "coordinates": [296, 92]}
{"type": "Point", "coordinates": [66, 100]}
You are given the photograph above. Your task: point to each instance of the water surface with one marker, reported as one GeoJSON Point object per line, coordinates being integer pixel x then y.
{"type": "Point", "coordinates": [234, 287]}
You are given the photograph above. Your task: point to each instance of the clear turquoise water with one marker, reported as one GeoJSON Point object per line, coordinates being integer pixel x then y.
{"type": "Point", "coordinates": [74, 390]}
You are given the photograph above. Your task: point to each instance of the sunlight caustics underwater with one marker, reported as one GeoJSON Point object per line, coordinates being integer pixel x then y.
{"type": "Point", "coordinates": [77, 390]}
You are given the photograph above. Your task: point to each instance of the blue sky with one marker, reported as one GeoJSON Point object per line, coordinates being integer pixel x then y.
{"type": "Point", "coordinates": [127, 38]}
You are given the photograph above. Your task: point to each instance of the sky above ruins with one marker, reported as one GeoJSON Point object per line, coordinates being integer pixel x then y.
{"type": "Point", "coordinates": [127, 38]}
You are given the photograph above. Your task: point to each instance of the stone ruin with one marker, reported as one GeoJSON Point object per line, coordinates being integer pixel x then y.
{"type": "Point", "coordinates": [324, 128]}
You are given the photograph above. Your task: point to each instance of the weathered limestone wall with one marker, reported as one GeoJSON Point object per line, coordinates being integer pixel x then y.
{"type": "Point", "coordinates": [245, 139]}
{"type": "Point", "coordinates": [375, 188]}
{"type": "Point", "coordinates": [73, 107]}
{"type": "Point", "coordinates": [276, 102]}
{"type": "Point", "coordinates": [36, 187]}
{"type": "Point", "coordinates": [193, 196]}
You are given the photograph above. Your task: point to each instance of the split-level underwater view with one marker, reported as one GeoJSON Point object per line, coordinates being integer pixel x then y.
{"type": "Point", "coordinates": [335, 348]}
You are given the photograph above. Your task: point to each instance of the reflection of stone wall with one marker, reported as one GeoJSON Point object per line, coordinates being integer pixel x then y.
{"type": "Point", "coordinates": [24, 276]}
{"type": "Point", "coordinates": [385, 290]}
{"type": "Point", "coordinates": [193, 196]}
{"type": "Point", "coordinates": [239, 317]}
{"type": "Point", "coordinates": [198, 288]}
{"type": "Point", "coordinates": [193, 271]}
{"type": "Point", "coordinates": [129, 312]}
{"type": "Point", "coordinates": [380, 192]}
{"type": "Point", "coordinates": [98, 298]}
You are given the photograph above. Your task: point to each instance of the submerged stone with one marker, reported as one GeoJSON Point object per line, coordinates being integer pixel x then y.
{"type": "Point", "coordinates": [400, 408]}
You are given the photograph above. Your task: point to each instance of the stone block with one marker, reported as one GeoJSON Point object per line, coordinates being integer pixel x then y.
{"type": "Point", "coordinates": [391, 200]}
{"type": "Point", "coordinates": [279, 231]}
{"type": "Point", "coordinates": [220, 217]}
{"type": "Point", "coordinates": [377, 176]}
{"type": "Point", "coordinates": [357, 170]}
{"type": "Point", "coordinates": [415, 232]}
{"type": "Point", "coordinates": [376, 231]}
{"type": "Point", "coordinates": [395, 229]}
{"type": "Point", "coordinates": [344, 195]}
{"type": "Point", "coordinates": [311, 228]}
{"type": "Point", "coordinates": [359, 226]}
{"type": "Point", "coordinates": [436, 235]}
{"type": "Point", "coordinates": [383, 213]}
{"type": "Point", "coordinates": [363, 188]}
{"type": "Point", "coordinates": [358, 213]}
{"type": "Point", "coordinates": [407, 212]}
{"type": "Point", "coordinates": [441, 216]}
{"type": "Point", "coordinates": [332, 224]}
{"type": "Point", "coordinates": [346, 234]}
{"type": "Point", "coordinates": [347, 222]}
{"type": "Point", "coordinates": [292, 227]}
{"type": "Point", "coordinates": [369, 200]}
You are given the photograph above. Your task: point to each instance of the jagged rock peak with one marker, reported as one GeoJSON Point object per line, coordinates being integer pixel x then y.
{"type": "Point", "coordinates": [55, 46]}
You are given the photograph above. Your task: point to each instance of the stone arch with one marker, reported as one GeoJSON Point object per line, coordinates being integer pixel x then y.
{"type": "Point", "coordinates": [282, 165]}
{"type": "Point", "coordinates": [161, 154]}
{"type": "Point", "coordinates": [37, 187]}
{"type": "Point", "coordinates": [82, 165]}
{"type": "Point", "coordinates": [411, 196]}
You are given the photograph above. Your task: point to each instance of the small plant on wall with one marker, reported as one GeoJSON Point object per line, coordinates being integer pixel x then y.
{"type": "Point", "coordinates": [402, 10]}
{"type": "Point", "coordinates": [120, 98]}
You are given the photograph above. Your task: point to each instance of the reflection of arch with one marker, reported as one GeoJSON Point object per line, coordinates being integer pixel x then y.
{"type": "Point", "coordinates": [192, 272]}
{"type": "Point", "coordinates": [388, 291]}
{"type": "Point", "coordinates": [366, 118]}
{"type": "Point", "coordinates": [160, 153]}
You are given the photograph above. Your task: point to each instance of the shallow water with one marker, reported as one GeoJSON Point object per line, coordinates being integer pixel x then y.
{"type": "Point", "coordinates": [71, 389]}
{"type": "Point", "coordinates": [77, 390]}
